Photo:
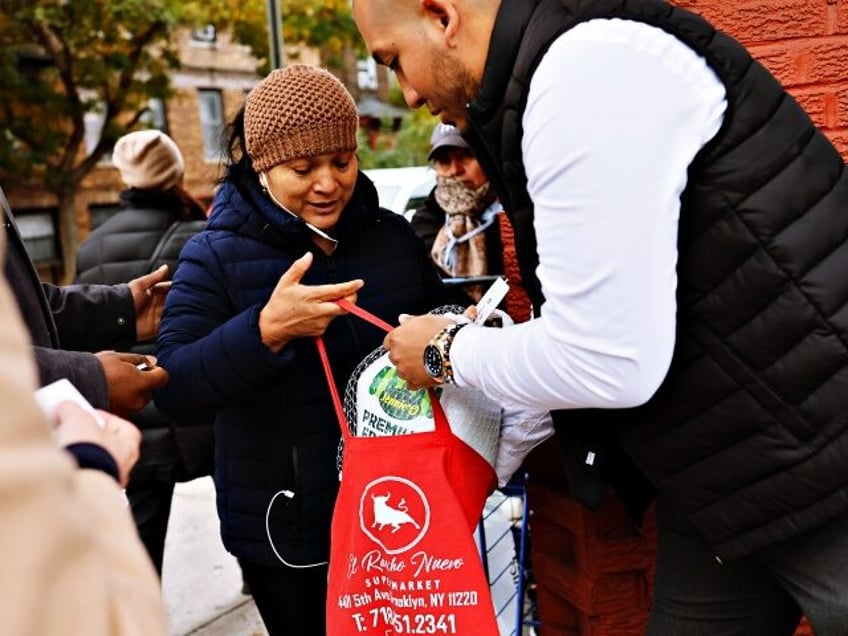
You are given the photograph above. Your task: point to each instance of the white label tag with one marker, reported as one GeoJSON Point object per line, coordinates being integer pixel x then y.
{"type": "Point", "coordinates": [51, 396]}
{"type": "Point", "coordinates": [490, 300]}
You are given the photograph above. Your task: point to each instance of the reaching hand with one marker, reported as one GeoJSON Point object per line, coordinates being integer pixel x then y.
{"type": "Point", "coordinates": [148, 294]}
{"type": "Point", "coordinates": [118, 437]}
{"type": "Point", "coordinates": [129, 387]}
{"type": "Point", "coordinates": [406, 347]}
{"type": "Point", "coordinates": [299, 311]}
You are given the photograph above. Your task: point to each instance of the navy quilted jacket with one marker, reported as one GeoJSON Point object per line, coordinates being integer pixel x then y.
{"type": "Point", "coordinates": [275, 428]}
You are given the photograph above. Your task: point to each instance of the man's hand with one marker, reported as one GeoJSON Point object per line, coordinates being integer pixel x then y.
{"type": "Point", "coordinates": [118, 437]}
{"type": "Point", "coordinates": [129, 387]}
{"type": "Point", "coordinates": [300, 311]}
{"type": "Point", "coordinates": [406, 347]}
{"type": "Point", "coordinates": [148, 294]}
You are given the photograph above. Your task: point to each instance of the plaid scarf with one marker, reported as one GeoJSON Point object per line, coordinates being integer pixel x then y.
{"type": "Point", "coordinates": [460, 245]}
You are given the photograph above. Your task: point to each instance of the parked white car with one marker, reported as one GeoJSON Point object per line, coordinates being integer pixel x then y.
{"type": "Point", "coordinates": [402, 190]}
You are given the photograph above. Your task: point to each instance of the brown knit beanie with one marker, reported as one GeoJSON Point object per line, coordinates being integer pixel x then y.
{"type": "Point", "coordinates": [148, 159]}
{"type": "Point", "coordinates": [298, 111]}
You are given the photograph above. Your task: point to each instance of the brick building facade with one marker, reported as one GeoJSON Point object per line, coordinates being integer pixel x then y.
{"type": "Point", "coordinates": [209, 88]}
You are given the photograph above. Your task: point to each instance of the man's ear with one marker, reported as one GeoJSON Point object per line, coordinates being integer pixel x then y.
{"type": "Point", "coordinates": [447, 14]}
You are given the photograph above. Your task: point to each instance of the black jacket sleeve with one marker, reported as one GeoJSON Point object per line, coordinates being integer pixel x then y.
{"type": "Point", "coordinates": [428, 220]}
{"type": "Point", "coordinates": [92, 317]}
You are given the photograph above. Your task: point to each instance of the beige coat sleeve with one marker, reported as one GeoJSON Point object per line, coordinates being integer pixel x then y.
{"type": "Point", "coordinates": [72, 563]}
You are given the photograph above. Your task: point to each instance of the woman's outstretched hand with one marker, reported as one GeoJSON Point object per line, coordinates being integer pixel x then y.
{"type": "Point", "coordinates": [300, 311]}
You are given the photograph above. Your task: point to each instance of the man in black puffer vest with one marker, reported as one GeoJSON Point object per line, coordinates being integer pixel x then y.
{"type": "Point", "coordinates": [686, 227]}
{"type": "Point", "coordinates": [157, 217]}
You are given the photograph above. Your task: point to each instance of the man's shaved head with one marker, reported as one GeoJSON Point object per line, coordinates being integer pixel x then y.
{"type": "Point", "coordinates": [437, 48]}
{"type": "Point", "coordinates": [378, 5]}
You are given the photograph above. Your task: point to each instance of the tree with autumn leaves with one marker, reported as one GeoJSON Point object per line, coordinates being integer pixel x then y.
{"type": "Point", "coordinates": [61, 60]}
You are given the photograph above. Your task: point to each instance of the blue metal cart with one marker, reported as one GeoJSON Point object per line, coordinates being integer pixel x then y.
{"type": "Point", "coordinates": [503, 539]}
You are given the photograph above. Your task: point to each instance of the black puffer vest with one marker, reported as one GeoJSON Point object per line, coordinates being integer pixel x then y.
{"type": "Point", "coordinates": [748, 435]}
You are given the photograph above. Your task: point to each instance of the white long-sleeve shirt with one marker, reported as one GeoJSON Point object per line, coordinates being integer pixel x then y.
{"type": "Point", "coordinates": [616, 112]}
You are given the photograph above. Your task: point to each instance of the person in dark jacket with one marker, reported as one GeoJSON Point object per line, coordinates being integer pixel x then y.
{"type": "Point", "coordinates": [294, 226]}
{"type": "Point", "coordinates": [459, 219]}
{"type": "Point", "coordinates": [74, 328]}
{"type": "Point", "coordinates": [681, 228]}
{"type": "Point", "coordinates": [72, 562]}
{"type": "Point", "coordinates": [157, 216]}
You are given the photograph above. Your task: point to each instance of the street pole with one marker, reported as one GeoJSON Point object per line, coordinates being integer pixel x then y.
{"type": "Point", "coordinates": [275, 33]}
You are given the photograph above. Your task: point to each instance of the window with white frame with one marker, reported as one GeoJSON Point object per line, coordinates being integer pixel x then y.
{"type": "Point", "coordinates": [207, 34]}
{"type": "Point", "coordinates": [154, 116]}
{"type": "Point", "coordinates": [39, 234]}
{"type": "Point", "coordinates": [366, 74]}
{"type": "Point", "coordinates": [211, 105]}
{"type": "Point", "coordinates": [93, 122]}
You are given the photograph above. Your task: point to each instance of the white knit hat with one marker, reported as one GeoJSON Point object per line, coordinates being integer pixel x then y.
{"type": "Point", "coordinates": [148, 159]}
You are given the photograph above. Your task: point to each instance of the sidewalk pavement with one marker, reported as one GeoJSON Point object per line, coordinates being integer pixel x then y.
{"type": "Point", "coordinates": [201, 582]}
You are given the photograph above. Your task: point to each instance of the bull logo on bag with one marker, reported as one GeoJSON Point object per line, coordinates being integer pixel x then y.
{"type": "Point", "coordinates": [384, 514]}
{"type": "Point", "coordinates": [394, 513]}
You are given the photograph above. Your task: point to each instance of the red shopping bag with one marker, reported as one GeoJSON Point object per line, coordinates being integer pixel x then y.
{"type": "Point", "coordinates": [402, 553]}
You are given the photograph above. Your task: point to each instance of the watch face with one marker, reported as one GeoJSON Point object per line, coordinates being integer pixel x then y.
{"type": "Point", "coordinates": [433, 363]}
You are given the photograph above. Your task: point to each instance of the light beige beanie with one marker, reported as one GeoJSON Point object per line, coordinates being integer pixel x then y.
{"type": "Point", "coordinates": [148, 159]}
{"type": "Point", "coordinates": [298, 111]}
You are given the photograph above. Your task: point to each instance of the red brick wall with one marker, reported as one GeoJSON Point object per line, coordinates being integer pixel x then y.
{"type": "Point", "coordinates": [594, 570]}
{"type": "Point", "coordinates": [803, 42]}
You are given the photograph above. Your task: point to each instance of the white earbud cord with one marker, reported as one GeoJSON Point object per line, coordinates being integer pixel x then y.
{"type": "Point", "coordinates": [263, 179]}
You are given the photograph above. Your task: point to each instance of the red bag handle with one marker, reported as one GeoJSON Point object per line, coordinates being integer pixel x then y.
{"type": "Point", "coordinates": [366, 315]}
{"type": "Point", "coordinates": [439, 417]}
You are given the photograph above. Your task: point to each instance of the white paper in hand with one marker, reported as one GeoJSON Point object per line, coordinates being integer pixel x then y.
{"type": "Point", "coordinates": [51, 396]}
{"type": "Point", "coordinates": [491, 299]}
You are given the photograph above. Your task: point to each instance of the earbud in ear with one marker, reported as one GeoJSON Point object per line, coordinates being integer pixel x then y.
{"type": "Point", "coordinates": [263, 180]}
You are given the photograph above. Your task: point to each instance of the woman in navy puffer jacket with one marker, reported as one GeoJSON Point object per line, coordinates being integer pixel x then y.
{"type": "Point", "coordinates": [294, 225]}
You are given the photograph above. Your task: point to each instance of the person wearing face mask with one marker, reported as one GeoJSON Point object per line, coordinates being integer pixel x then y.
{"type": "Point", "coordinates": [294, 226]}
{"type": "Point", "coordinates": [459, 220]}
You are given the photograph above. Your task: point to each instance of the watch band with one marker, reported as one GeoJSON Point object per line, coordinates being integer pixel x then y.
{"type": "Point", "coordinates": [444, 340]}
